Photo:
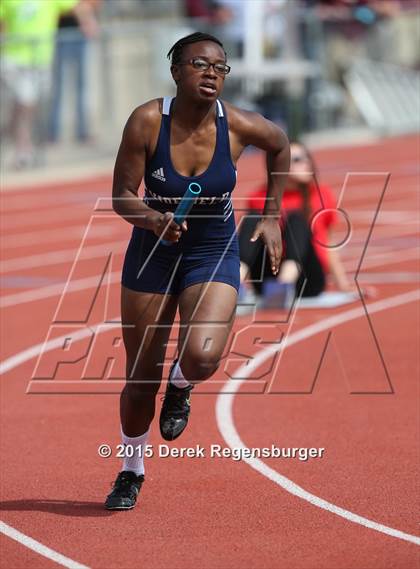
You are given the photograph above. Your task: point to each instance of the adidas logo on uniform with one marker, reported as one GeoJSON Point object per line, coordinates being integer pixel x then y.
{"type": "Point", "coordinates": [159, 174]}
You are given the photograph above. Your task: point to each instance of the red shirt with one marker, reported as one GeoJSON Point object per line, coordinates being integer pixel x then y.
{"type": "Point", "coordinates": [320, 198]}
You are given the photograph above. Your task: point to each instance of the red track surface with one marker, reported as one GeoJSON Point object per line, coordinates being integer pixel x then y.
{"type": "Point", "coordinates": [217, 513]}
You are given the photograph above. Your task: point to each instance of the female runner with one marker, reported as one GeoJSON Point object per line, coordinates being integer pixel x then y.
{"type": "Point", "coordinates": [172, 143]}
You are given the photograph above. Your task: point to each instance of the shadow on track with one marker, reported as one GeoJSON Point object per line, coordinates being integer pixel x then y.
{"type": "Point", "coordinates": [60, 507]}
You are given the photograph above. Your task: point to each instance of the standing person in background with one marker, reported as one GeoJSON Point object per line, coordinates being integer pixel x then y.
{"type": "Point", "coordinates": [28, 28]}
{"type": "Point", "coordinates": [71, 51]}
{"type": "Point", "coordinates": [306, 245]}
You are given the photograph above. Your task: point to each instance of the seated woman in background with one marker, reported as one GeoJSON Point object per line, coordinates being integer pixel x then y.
{"type": "Point", "coordinates": [306, 255]}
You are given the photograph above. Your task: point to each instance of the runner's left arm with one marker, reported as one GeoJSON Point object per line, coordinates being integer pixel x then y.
{"type": "Point", "coordinates": [267, 136]}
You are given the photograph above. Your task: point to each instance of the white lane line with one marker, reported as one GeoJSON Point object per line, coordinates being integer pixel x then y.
{"type": "Point", "coordinates": [403, 277]}
{"type": "Point", "coordinates": [59, 257]}
{"type": "Point", "coordinates": [226, 425]}
{"type": "Point", "coordinates": [41, 293]}
{"type": "Point", "coordinates": [380, 233]}
{"type": "Point", "coordinates": [39, 548]}
{"type": "Point", "coordinates": [364, 190]}
{"type": "Point", "coordinates": [55, 257]}
{"type": "Point", "coordinates": [34, 351]}
{"type": "Point", "coordinates": [354, 253]}
{"type": "Point", "coordinates": [63, 213]}
{"type": "Point", "coordinates": [73, 232]}
{"type": "Point", "coordinates": [56, 290]}
{"type": "Point", "coordinates": [386, 217]}
{"type": "Point", "coordinates": [354, 250]}
{"type": "Point", "coordinates": [384, 259]}
{"type": "Point", "coordinates": [68, 233]}
{"type": "Point", "coordinates": [225, 402]}
{"type": "Point", "coordinates": [39, 204]}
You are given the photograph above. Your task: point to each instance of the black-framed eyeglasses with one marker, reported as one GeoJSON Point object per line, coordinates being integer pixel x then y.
{"type": "Point", "coordinates": [202, 65]}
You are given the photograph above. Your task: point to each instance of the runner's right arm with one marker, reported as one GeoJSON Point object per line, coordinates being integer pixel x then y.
{"type": "Point", "coordinates": [128, 174]}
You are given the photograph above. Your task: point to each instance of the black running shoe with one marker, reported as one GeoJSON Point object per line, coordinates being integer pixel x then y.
{"type": "Point", "coordinates": [175, 410]}
{"type": "Point", "coordinates": [125, 490]}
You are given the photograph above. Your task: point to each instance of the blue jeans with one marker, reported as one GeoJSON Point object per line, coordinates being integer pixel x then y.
{"type": "Point", "coordinates": [70, 53]}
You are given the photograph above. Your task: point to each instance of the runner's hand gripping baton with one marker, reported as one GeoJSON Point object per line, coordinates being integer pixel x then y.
{"type": "Point", "coordinates": [184, 206]}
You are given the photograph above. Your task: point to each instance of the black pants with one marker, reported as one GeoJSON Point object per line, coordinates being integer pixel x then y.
{"type": "Point", "coordinates": [298, 247]}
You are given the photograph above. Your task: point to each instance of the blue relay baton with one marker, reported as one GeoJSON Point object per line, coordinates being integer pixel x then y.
{"type": "Point", "coordinates": [184, 206]}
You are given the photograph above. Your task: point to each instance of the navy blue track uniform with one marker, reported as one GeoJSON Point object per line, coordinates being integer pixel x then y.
{"type": "Point", "coordinates": [208, 251]}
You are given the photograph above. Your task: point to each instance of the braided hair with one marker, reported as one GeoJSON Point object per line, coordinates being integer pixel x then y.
{"type": "Point", "coordinates": [175, 53]}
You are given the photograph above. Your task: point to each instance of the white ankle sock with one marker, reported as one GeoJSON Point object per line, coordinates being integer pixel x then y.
{"type": "Point", "coordinates": [177, 378]}
{"type": "Point", "coordinates": [134, 463]}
